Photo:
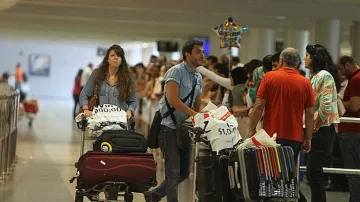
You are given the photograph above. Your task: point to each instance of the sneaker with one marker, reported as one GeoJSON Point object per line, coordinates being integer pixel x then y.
{"type": "Point", "coordinates": [149, 197]}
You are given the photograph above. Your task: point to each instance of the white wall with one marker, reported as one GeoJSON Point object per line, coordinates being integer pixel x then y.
{"type": "Point", "coordinates": [69, 52]}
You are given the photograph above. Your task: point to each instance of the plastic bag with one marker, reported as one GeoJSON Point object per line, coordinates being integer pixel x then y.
{"type": "Point", "coordinates": [220, 127]}
{"type": "Point", "coordinates": [261, 138]}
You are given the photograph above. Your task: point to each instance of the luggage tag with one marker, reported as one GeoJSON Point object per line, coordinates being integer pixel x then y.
{"type": "Point", "coordinates": [262, 175]}
{"type": "Point", "coordinates": [271, 185]}
{"type": "Point", "coordinates": [281, 174]}
{"type": "Point", "coordinates": [290, 153]}
{"type": "Point", "coordinates": [291, 170]}
{"type": "Point", "coordinates": [266, 166]}
{"type": "Point", "coordinates": [285, 171]}
{"type": "Point", "coordinates": [276, 184]}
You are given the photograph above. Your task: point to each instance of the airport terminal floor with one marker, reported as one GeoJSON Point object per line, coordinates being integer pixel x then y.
{"type": "Point", "coordinates": [47, 153]}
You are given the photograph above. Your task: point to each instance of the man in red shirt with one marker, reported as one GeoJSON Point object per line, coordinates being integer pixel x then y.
{"type": "Point", "coordinates": [350, 132]}
{"type": "Point", "coordinates": [284, 95]}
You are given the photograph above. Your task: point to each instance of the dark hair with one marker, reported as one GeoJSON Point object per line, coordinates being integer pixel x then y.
{"type": "Point", "coordinates": [266, 63]}
{"type": "Point", "coordinates": [346, 59]}
{"type": "Point", "coordinates": [252, 65]}
{"type": "Point", "coordinates": [79, 73]}
{"type": "Point", "coordinates": [90, 64]}
{"type": "Point", "coordinates": [213, 59]}
{"type": "Point", "coordinates": [302, 72]}
{"type": "Point", "coordinates": [123, 74]}
{"type": "Point", "coordinates": [222, 69]}
{"type": "Point", "coordinates": [189, 46]}
{"type": "Point", "coordinates": [239, 75]}
{"type": "Point", "coordinates": [153, 57]}
{"type": "Point", "coordinates": [276, 57]}
{"type": "Point", "coordinates": [25, 78]}
{"type": "Point", "coordinates": [235, 60]}
{"type": "Point", "coordinates": [322, 60]}
{"type": "Point", "coordinates": [139, 65]}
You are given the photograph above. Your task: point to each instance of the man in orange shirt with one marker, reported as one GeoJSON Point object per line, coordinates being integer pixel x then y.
{"type": "Point", "coordinates": [284, 95]}
{"type": "Point", "coordinates": [19, 77]}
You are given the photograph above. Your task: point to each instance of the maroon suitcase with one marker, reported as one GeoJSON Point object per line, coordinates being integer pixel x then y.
{"type": "Point", "coordinates": [137, 170]}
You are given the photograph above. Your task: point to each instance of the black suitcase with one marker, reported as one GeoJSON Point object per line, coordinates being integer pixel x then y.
{"type": "Point", "coordinates": [212, 179]}
{"type": "Point", "coordinates": [120, 141]}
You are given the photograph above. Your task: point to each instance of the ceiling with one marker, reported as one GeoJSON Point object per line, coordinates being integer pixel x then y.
{"type": "Point", "coordinates": [169, 19]}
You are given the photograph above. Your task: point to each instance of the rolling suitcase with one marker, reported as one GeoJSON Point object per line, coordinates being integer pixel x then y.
{"type": "Point", "coordinates": [120, 141]}
{"type": "Point", "coordinates": [138, 169]}
{"type": "Point", "coordinates": [212, 180]}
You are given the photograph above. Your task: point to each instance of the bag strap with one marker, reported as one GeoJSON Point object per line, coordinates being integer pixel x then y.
{"type": "Point", "coordinates": [172, 109]}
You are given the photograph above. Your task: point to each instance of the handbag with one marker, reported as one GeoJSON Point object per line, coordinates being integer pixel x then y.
{"type": "Point", "coordinates": [154, 131]}
{"type": "Point", "coordinates": [94, 100]}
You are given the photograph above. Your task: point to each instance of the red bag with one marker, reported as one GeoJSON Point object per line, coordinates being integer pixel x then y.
{"type": "Point", "coordinates": [31, 107]}
{"type": "Point", "coordinates": [137, 170]}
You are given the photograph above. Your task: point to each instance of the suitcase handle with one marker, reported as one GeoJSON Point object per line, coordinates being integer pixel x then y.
{"type": "Point", "coordinates": [82, 124]}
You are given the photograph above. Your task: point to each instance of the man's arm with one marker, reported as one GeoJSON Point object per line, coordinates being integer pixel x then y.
{"type": "Point", "coordinates": [256, 114]}
{"type": "Point", "coordinates": [197, 105]}
{"type": "Point", "coordinates": [353, 105]}
{"type": "Point", "coordinates": [172, 95]}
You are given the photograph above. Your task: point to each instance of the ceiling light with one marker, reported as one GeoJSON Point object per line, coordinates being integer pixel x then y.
{"type": "Point", "coordinates": [281, 17]}
{"type": "Point", "coordinates": [145, 45]}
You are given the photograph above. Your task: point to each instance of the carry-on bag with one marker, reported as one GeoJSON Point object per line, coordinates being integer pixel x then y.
{"type": "Point", "coordinates": [120, 141]}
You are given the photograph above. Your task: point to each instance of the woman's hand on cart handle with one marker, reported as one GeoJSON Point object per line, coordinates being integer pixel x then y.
{"type": "Point", "coordinates": [87, 113]}
{"type": "Point", "coordinates": [128, 114]}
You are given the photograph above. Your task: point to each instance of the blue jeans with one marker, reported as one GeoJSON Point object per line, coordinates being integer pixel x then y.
{"type": "Point", "coordinates": [177, 165]}
{"type": "Point", "coordinates": [321, 147]}
{"type": "Point", "coordinates": [350, 149]}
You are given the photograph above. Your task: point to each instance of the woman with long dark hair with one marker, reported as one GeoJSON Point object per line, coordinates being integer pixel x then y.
{"type": "Point", "coordinates": [113, 82]}
{"type": "Point", "coordinates": [325, 82]}
{"type": "Point", "coordinates": [77, 90]}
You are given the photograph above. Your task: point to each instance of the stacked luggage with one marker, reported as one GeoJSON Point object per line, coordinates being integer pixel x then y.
{"type": "Point", "coordinates": [256, 173]}
{"type": "Point", "coordinates": [118, 163]}
{"type": "Point", "coordinates": [259, 173]}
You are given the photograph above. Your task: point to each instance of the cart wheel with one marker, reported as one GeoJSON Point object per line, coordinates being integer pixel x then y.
{"type": "Point", "coordinates": [79, 198]}
{"type": "Point", "coordinates": [129, 197]}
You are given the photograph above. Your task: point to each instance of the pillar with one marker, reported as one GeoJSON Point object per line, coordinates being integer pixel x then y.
{"type": "Point", "coordinates": [298, 39]}
{"type": "Point", "coordinates": [257, 43]}
{"type": "Point", "coordinates": [327, 33]}
{"type": "Point", "coordinates": [355, 41]}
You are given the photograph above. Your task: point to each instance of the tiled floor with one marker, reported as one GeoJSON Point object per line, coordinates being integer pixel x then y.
{"type": "Point", "coordinates": [47, 153]}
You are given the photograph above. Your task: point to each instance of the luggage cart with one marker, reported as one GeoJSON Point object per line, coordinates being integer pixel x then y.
{"type": "Point", "coordinates": [111, 189]}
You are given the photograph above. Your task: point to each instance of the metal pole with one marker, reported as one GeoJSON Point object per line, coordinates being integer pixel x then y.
{"type": "Point", "coordinates": [349, 120]}
{"type": "Point", "coordinates": [337, 170]}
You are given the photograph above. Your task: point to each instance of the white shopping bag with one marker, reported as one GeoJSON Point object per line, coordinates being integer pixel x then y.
{"type": "Point", "coordinates": [105, 115]}
{"type": "Point", "coordinates": [261, 138]}
{"type": "Point", "coordinates": [220, 127]}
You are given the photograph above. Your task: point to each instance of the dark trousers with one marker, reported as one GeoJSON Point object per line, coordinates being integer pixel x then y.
{"type": "Point", "coordinates": [338, 181]}
{"type": "Point", "coordinates": [321, 147]}
{"type": "Point", "coordinates": [76, 100]}
{"type": "Point", "coordinates": [350, 148]}
{"type": "Point", "coordinates": [177, 165]}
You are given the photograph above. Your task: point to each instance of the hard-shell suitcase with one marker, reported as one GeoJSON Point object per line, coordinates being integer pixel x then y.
{"type": "Point", "coordinates": [212, 180]}
{"type": "Point", "coordinates": [120, 141]}
{"type": "Point", "coordinates": [137, 170]}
